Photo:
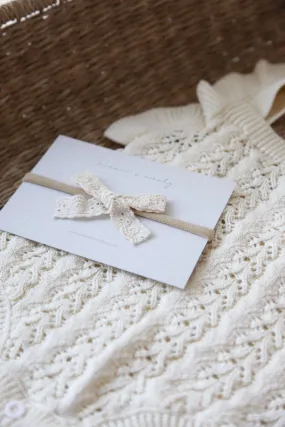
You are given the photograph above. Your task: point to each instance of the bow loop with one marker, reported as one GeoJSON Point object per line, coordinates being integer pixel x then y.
{"type": "Point", "coordinates": [147, 203]}
{"type": "Point", "coordinates": [103, 201]}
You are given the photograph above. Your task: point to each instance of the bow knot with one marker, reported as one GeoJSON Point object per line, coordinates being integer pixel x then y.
{"type": "Point", "coordinates": [103, 201]}
{"type": "Point", "coordinates": [108, 201]}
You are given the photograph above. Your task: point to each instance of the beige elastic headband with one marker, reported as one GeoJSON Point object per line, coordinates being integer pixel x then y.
{"type": "Point", "coordinates": [163, 219]}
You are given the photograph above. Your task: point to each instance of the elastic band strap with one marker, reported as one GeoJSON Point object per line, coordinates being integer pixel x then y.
{"type": "Point", "coordinates": [198, 230]}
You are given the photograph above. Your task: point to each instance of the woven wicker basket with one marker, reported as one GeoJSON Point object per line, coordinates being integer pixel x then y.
{"type": "Point", "coordinates": [76, 66]}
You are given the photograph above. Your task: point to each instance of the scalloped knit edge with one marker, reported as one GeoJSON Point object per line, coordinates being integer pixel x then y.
{"type": "Point", "coordinates": [257, 89]}
{"type": "Point", "coordinates": [126, 129]}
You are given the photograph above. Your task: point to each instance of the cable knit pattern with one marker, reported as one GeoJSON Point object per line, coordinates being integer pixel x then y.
{"type": "Point", "coordinates": [83, 344]}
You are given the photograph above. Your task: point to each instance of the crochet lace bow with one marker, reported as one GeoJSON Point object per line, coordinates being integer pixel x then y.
{"type": "Point", "coordinates": [118, 206]}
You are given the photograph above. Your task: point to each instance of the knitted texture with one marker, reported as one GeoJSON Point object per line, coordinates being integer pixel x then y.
{"type": "Point", "coordinates": [84, 344]}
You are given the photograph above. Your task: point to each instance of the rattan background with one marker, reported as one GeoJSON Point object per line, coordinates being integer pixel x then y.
{"type": "Point", "coordinates": [81, 65]}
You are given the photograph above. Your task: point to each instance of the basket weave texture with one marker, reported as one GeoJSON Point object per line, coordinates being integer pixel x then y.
{"type": "Point", "coordinates": [82, 64]}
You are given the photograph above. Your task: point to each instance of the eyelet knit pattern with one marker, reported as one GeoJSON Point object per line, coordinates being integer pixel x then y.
{"type": "Point", "coordinates": [83, 344]}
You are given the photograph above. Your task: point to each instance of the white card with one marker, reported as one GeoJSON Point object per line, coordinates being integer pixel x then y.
{"type": "Point", "coordinates": [169, 255]}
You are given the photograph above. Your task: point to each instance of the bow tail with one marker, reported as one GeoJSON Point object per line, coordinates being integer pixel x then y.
{"type": "Point", "coordinates": [78, 207]}
{"type": "Point", "coordinates": [126, 221]}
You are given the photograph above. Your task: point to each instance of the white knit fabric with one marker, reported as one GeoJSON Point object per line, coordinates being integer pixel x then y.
{"type": "Point", "coordinates": [86, 345]}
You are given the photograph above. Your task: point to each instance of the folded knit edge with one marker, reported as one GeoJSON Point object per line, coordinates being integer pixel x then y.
{"type": "Point", "coordinates": [259, 89]}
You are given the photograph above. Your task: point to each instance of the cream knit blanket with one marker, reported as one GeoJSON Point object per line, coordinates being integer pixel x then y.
{"type": "Point", "coordinates": [86, 345]}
